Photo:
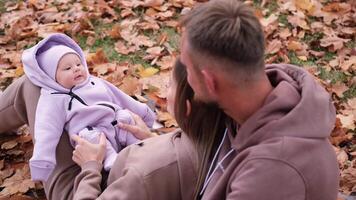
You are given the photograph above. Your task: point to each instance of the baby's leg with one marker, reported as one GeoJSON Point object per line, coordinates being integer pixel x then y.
{"type": "Point", "coordinates": [124, 137]}
{"type": "Point", "coordinates": [93, 136]}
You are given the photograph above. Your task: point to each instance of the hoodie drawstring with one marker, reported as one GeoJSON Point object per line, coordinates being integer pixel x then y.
{"type": "Point", "coordinates": [73, 96]}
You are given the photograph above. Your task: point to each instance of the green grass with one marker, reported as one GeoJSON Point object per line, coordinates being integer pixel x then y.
{"type": "Point", "coordinates": [329, 56]}
{"type": "Point", "coordinates": [108, 46]}
{"type": "Point", "coordinates": [296, 61]}
{"type": "Point", "coordinates": [351, 44]}
{"type": "Point", "coordinates": [272, 7]}
{"type": "Point", "coordinates": [2, 6]}
{"type": "Point", "coordinates": [333, 76]}
{"type": "Point", "coordinates": [313, 37]}
{"type": "Point", "coordinates": [283, 19]}
{"type": "Point", "coordinates": [350, 93]}
{"type": "Point", "coordinates": [173, 37]}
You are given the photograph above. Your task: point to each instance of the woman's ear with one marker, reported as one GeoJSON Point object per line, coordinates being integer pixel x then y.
{"type": "Point", "coordinates": [189, 107]}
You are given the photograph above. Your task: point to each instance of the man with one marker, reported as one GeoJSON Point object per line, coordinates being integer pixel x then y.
{"type": "Point", "coordinates": [280, 149]}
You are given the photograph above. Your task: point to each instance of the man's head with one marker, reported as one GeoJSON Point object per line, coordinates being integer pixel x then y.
{"type": "Point", "coordinates": [222, 44]}
{"type": "Point", "coordinates": [63, 65]}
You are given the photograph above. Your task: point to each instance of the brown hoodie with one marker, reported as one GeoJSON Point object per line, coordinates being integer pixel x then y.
{"type": "Point", "coordinates": [282, 151]}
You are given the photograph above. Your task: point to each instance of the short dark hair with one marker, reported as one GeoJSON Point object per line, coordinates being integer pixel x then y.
{"type": "Point", "coordinates": [226, 29]}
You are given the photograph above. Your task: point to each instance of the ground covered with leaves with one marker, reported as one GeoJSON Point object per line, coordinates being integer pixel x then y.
{"type": "Point", "coordinates": [133, 44]}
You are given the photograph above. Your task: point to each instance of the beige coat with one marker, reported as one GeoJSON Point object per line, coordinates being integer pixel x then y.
{"type": "Point", "coordinates": [158, 168]}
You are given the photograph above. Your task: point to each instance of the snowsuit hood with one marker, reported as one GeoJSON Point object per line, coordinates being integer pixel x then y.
{"type": "Point", "coordinates": [44, 76]}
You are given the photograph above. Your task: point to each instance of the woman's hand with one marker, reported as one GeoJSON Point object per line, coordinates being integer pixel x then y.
{"type": "Point", "coordinates": [139, 130]}
{"type": "Point", "coordinates": [86, 151]}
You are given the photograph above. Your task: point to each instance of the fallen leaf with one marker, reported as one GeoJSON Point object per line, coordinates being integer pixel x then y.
{"type": "Point", "coordinates": [306, 5]}
{"type": "Point", "coordinates": [349, 64]}
{"type": "Point", "coordinates": [98, 57]}
{"type": "Point", "coordinates": [269, 20]}
{"type": "Point", "coordinates": [159, 81]}
{"type": "Point", "coordinates": [167, 119]}
{"type": "Point", "coordinates": [120, 47]}
{"type": "Point", "coordinates": [155, 51]}
{"type": "Point", "coordinates": [9, 145]}
{"type": "Point", "coordinates": [297, 21]}
{"type": "Point", "coordinates": [166, 62]}
{"type": "Point", "coordinates": [294, 46]}
{"type": "Point", "coordinates": [341, 156]}
{"type": "Point", "coordinates": [336, 41]}
{"type": "Point", "coordinates": [273, 46]}
{"type": "Point", "coordinates": [347, 121]}
{"type": "Point", "coordinates": [146, 72]}
{"type": "Point", "coordinates": [130, 86]}
{"type": "Point", "coordinates": [153, 3]}
{"type": "Point", "coordinates": [339, 89]}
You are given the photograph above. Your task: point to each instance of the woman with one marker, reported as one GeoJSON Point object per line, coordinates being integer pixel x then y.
{"type": "Point", "coordinates": [164, 167]}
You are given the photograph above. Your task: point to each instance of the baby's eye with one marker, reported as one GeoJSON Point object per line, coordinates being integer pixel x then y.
{"type": "Point", "coordinates": [78, 65]}
{"type": "Point", "coordinates": [67, 68]}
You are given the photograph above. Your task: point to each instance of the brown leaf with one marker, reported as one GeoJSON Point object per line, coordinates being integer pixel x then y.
{"type": "Point", "coordinates": [268, 21]}
{"type": "Point", "coordinates": [166, 62]}
{"type": "Point", "coordinates": [142, 40]}
{"type": "Point", "coordinates": [306, 5]}
{"type": "Point", "coordinates": [6, 173]}
{"type": "Point", "coordinates": [1, 164]}
{"type": "Point", "coordinates": [298, 21]}
{"type": "Point", "coordinates": [285, 33]}
{"type": "Point", "coordinates": [153, 3]}
{"type": "Point", "coordinates": [294, 46]}
{"type": "Point", "coordinates": [155, 51]}
{"type": "Point", "coordinates": [120, 47]}
{"type": "Point", "coordinates": [349, 64]}
{"type": "Point", "coordinates": [18, 183]}
{"type": "Point", "coordinates": [130, 86]}
{"type": "Point", "coordinates": [347, 121]}
{"type": "Point", "coordinates": [9, 145]}
{"type": "Point", "coordinates": [90, 40]}
{"type": "Point", "coordinates": [98, 57]}
{"type": "Point", "coordinates": [159, 81]}
{"type": "Point", "coordinates": [273, 46]}
{"type": "Point", "coordinates": [337, 42]}
{"type": "Point", "coordinates": [341, 156]}
{"type": "Point", "coordinates": [339, 88]}
{"type": "Point", "coordinates": [167, 119]}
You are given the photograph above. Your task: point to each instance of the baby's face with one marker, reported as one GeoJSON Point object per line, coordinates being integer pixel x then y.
{"type": "Point", "coordinates": [70, 71]}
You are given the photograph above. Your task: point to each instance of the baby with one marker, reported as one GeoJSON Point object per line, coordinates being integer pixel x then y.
{"type": "Point", "coordinates": [73, 100]}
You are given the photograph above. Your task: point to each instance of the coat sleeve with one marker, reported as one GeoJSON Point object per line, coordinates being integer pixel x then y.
{"type": "Point", "coordinates": [124, 182]}
{"type": "Point", "coordinates": [127, 102]}
{"type": "Point", "coordinates": [261, 178]}
{"type": "Point", "coordinates": [49, 124]}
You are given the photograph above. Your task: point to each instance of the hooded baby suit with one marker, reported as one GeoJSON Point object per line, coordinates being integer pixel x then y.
{"type": "Point", "coordinates": [93, 103]}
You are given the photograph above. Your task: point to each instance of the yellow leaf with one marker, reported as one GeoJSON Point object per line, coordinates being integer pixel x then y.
{"type": "Point", "coordinates": [304, 5]}
{"type": "Point", "coordinates": [19, 72]}
{"type": "Point", "coordinates": [147, 72]}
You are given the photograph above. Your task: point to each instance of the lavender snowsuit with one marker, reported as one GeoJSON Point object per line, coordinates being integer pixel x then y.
{"type": "Point", "coordinates": [93, 103]}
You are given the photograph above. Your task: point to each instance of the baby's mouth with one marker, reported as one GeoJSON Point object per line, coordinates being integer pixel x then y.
{"type": "Point", "coordinates": [78, 77]}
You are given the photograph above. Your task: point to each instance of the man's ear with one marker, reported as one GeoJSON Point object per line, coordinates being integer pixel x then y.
{"type": "Point", "coordinates": [210, 82]}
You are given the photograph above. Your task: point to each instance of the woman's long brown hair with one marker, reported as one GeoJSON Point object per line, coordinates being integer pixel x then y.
{"type": "Point", "coordinates": [204, 125]}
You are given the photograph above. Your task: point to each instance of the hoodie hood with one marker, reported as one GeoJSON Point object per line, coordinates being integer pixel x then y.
{"type": "Point", "coordinates": [296, 107]}
{"type": "Point", "coordinates": [42, 76]}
